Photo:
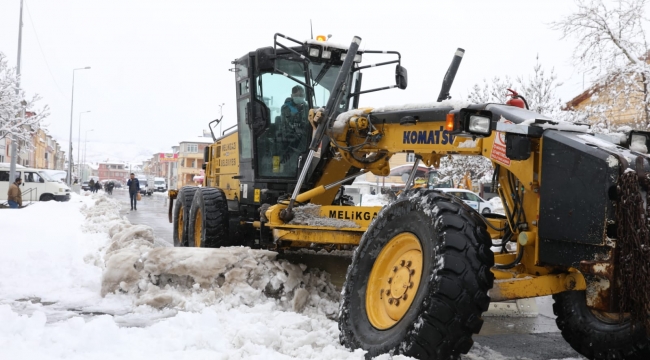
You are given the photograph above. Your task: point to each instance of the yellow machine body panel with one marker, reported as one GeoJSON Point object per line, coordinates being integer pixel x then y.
{"type": "Point", "coordinates": [223, 168]}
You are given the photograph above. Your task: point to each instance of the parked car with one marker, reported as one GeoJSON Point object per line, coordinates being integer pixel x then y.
{"type": "Point", "coordinates": [476, 202]}
{"type": "Point", "coordinates": [85, 186]}
{"type": "Point", "coordinates": [37, 185]}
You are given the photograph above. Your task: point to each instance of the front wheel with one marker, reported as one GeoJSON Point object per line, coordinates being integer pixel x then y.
{"type": "Point", "coordinates": [598, 335]}
{"type": "Point", "coordinates": [486, 211]}
{"type": "Point", "coordinates": [419, 279]}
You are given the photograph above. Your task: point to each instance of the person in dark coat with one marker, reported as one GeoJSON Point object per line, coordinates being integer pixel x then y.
{"type": "Point", "coordinates": [134, 187]}
{"type": "Point", "coordinates": [91, 185]}
{"type": "Point", "coordinates": [98, 186]}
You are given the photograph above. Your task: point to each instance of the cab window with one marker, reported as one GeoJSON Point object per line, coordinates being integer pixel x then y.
{"type": "Point", "coordinates": [4, 175]}
{"type": "Point", "coordinates": [33, 177]}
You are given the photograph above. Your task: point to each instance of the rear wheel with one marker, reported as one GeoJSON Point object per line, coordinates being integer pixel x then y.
{"type": "Point", "coordinates": [46, 197]}
{"type": "Point", "coordinates": [598, 335]}
{"type": "Point", "coordinates": [486, 211]}
{"type": "Point", "coordinates": [182, 213]}
{"type": "Point", "coordinates": [208, 221]}
{"type": "Point", "coordinates": [419, 279]}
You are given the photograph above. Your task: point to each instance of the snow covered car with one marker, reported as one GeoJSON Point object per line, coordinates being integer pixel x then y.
{"type": "Point", "coordinates": [85, 186]}
{"type": "Point", "coordinates": [476, 202]}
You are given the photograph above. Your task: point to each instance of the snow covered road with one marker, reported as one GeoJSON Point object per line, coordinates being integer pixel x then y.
{"type": "Point", "coordinates": [53, 269]}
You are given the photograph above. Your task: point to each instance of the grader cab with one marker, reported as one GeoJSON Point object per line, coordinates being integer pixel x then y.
{"type": "Point", "coordinates": [424, 271]}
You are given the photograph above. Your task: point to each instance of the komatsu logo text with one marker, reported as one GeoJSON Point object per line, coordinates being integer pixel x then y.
{"type": "Point", "coordinates": [441, 136]}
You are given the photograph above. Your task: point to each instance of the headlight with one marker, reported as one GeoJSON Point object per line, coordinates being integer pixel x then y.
{"type": "Point", "coordinates": [357, 57]}
{"type": "Point", "coordinates": [61, 190]}
{"type": "Point", "coordinates": [327, 54]}
{"type": "Point", "coordinates": [479, 124]}
{"type": "Point", "coordinates": [314, 52]}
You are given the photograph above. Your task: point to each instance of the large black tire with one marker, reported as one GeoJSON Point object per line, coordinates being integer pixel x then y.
{"type": "Point", "coordinates": [46, 197]}
{"type": "Point", "coordinates": [208, 225]}
{"type": "Point", "coordinates": [595, 335]}
{"type": "Point", "coordinates": [182, 214]}
{"type": "Point", "coordinates": [452, 293]}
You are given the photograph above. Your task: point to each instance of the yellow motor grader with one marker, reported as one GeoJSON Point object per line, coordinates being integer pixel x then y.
{"type": "Point", "coordinates": [423, 269]}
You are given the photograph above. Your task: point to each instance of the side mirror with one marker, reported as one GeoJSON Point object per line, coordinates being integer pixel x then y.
{"type": "Point", "coordinates": [258, 116]}
{"type": "Point", "coordinates": [401, 77]}
{"type": "Point", "coordinates": [265, 59]}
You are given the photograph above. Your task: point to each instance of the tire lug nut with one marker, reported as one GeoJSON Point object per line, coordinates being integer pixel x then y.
{"type": "Point", "coordinates": [396, 302]}
{"type": "Point", "coordinates": [390, 280]}
{"type": "Point", "coordinates": [411, 285]}
{"type": "Point", "coordinates": [401, 263]}
{"type": "Point", "coordinates": [408, 263]}
{"type": "Point", "coordinates": [388, 292]}
{"type": "Point", "coordinates": [390, 301]}
{"type": "Point", "coordinates": [412, 272]}
{"type": "Point", "coordinates": [404, 297]}
{"type": "Point", "coordinates": [394, 268]}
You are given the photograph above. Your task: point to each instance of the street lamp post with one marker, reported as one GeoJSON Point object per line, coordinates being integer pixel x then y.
{"type": "Point", "coordinates": [71, 113]}
{"type": "Point", "coordinates": [85, 143]}
{"type": "Point", "coordinates": [79, 142]}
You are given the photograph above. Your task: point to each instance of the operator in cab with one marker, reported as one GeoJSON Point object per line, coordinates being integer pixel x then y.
{"type": "Point", "coordinates": [295, 129]}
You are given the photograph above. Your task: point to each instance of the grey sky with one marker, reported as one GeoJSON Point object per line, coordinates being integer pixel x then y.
{"type": "Point", "coordinates": [160, 68]}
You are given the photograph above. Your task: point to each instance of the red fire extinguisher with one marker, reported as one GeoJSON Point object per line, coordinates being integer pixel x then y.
{"type": "Point", "coordinates": [516, 100]}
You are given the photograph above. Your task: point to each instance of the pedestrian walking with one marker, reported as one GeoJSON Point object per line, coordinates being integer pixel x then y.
{"type": "Point", "coordinates": [91, 185]}
{"type": "Point", "coordinates": [110, 187]}
{"type": "Point", "coordinates": [98, 186]}
{"type": "Point", "coordinates": [14, 196]}
{"type": "Point", "coordinates": [134, 188]}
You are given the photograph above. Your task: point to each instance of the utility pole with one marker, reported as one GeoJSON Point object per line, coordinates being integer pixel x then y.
{"type": "Point", "coordinates": [14, 139]}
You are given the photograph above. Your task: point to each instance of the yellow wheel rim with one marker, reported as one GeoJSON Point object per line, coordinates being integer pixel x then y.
{"type": "Point", "coordinates": [180, 227]}
{"type": "Point", "coordinates": [394, 281]}
{"type": "Point", "coordinates": [198, 224]}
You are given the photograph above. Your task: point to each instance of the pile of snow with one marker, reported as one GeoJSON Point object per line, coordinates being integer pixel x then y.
{"type": "Point", "coordinates": [309, 214]}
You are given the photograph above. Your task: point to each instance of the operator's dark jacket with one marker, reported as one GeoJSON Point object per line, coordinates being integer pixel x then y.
{"type": "Point", "coordinates": [133, 185]}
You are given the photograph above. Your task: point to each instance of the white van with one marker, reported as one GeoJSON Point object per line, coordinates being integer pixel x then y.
{"type": "Point", "coordinates": [37, 185]}
{"type": "Point", "coordinates": [160, 184]}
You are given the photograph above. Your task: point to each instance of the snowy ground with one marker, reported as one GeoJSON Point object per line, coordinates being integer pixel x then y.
{"type": "Point", "coordinates": [59, 258]}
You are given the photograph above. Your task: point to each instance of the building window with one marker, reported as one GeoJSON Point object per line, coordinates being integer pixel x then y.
{"type": "Point", "coordinates": [192, 148]}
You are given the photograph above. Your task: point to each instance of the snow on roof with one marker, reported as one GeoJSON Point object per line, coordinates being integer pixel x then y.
{"type": "Point", "coordinates": [199, 139]}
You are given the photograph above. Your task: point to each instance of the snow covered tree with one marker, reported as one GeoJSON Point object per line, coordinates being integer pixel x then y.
{"type": "Point", "coordinates": [612, 40]}
{"type": "Point", "coordinates": [496, 91]}
{"type": "Point", "coordinates": [539, 90]}
{"type": "Point", "coordinates": [12, 123]}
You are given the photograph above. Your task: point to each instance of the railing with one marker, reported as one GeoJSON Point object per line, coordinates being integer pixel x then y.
{"type": "Point", "coordinates": [31, 192]}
